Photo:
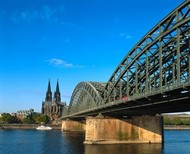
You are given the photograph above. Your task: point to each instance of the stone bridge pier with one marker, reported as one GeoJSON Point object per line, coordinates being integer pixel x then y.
{"type": "Point", "coordinates": [108, 130]}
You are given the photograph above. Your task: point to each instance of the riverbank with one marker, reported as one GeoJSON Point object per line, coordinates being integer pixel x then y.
{"type": "Point", "coordinates": [177, 127]}
{"type": "Point", "coordinates": [26, 126]}
{"type": "Point", "coordinates": [58, 127]}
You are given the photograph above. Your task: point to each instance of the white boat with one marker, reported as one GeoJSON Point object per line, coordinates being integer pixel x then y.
{"type": "Point", "coordinates": [43, 128]}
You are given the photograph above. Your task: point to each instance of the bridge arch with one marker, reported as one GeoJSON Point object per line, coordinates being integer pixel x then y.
{"type": "Point", "coordinates": [86, 95]}
{"type": "Point", "coordinates": [161, 58]}
{"type": "Point", "coordinates": [158, 65]}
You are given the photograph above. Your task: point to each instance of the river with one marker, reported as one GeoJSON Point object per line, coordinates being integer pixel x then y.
{"type": "Point", "coordinates": [57, 142]}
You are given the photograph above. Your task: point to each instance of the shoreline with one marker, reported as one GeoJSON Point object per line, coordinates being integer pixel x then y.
{"type": "Point", "coordinates": [27, 126]}
{"type": "Point", "coordinates": [177, 127]}
{"type": "Point", "coordinates": [58, 127]}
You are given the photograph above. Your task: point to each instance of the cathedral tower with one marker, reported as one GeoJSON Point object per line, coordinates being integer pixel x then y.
{"type": "Point", "coordinates": [53, 107]}
{"type": "Point", "coordinates": [48, 93]}
{"type": "Point", "coordinates": [57, 95]}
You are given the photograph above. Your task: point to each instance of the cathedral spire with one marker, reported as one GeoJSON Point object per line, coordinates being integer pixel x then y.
{"type": "Point", "coordinates": [57, 95]}
{"type": "Point", "coordinates": [57, 87]}
{"type": "Point", "coordinates": [48, 93]}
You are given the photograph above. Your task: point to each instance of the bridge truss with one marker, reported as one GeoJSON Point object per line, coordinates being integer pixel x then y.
{"type": "Point", "coordinates": [86, 95]}
{"type": "Point", "coordinates": [157, 67]}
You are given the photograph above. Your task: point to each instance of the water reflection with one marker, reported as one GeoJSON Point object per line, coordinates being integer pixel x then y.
{"type": "Point", "coordinates": [62, 142]}
{"type": "Point", "coordinates": [73, 142]}
{"type": "Point", "coordinates": [50, 142]}
{"type": "Point", "coordinates": [124, 149]}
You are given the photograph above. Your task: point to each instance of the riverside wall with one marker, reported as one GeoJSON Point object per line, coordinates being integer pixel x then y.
{"type": "Point", "coordinates": [27, 126]}
{"type": "Point", "coordinates": [177, 127]}
{"type": "Point", "coordinates": [59, 127]}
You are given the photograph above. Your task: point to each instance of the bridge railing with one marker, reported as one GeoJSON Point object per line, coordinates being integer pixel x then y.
{"type": "Point", "coordinates": [165, 89]}
{"type": "Point", "coordinates": [157, 64]}
{"type": "Point", "coordinates": [160, 35]}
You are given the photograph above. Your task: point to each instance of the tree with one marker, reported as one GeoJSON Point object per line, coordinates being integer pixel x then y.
{"type": "Point", "coordinates": [42, 119]}
{"type": "Point", "coordinates": [186, 122]}
{"type": "Point", "coordinates": [7, 118]}
{"type": "Point", "coordinates": [167, 120]}
{"type": "Point", "coordinates": [177, 121]}
{"type": "Point", "coordinates": [28, 120]}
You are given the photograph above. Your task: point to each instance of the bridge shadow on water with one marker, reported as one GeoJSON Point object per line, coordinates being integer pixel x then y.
{"type": "Point", "coordinates": [74, 145]}
{"type": "Point", "coordinates": [124, 149]}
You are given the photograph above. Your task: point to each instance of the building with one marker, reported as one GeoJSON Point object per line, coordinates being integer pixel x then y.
{"type": "Point", "coordinates": [52, 106]}
{"type": "Point", "coordinates": [21, 114]}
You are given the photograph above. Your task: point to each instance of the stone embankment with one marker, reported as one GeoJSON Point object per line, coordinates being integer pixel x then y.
{"type": "Point", "coordinates": [177, 127]}
{"type": "Point", "coordinates": [26, 126]}
{"type": "Point", "coordinates": [58, 127]}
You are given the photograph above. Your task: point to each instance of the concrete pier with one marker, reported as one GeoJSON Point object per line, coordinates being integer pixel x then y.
{"type": "Point", "coordinates": [71, 125]}
{"type": "Point", "coordinates": [140, 129]}
{"type": "Point", "coordinates": [107, 130]}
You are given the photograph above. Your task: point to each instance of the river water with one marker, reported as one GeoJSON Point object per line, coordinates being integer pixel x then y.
{"type": "Point", "coordinates": [57, 142]}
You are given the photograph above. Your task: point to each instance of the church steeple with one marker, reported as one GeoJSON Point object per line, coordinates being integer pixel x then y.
{"type": "Point", "coordinates": [57, 87]}
{"type": "Point", "coordinates": [57, 95]}
{"type": "Point", "coordinates": [48, 93]}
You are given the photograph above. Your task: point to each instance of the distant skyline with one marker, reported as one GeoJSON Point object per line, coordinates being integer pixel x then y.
{"type": "Point", "coordinates": [68, 40]}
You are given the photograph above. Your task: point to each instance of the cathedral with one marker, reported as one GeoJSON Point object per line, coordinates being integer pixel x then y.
{"type": "Point", "coordinates": [53, 107]}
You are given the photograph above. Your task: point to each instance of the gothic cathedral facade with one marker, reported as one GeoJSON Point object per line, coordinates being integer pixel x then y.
{"type": "Point", "coordinates": [52, 106]}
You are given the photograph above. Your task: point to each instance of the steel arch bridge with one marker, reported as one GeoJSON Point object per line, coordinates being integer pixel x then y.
{"type": "Point", "coordinates": [154, 72]}
{"type": "Point", "coordinates": [86, 95]}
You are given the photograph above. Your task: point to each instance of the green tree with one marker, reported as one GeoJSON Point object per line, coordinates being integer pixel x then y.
{"type": "Point", "coordinates": [167, 120]}
{"type": "Point", "coordinates": [177, 121]}
{"type": "Point", "coordinates": [28, 120]}
{"type": "Point", "coordinates": [186, 121]}
{"type": "Point", "coordinates": [7, 118]}
{"type": "Point", "coordinates": [34, 116]}
{"type": "Point", "coordinates": [42, 119]}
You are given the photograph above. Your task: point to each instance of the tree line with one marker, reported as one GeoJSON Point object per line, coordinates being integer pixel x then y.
{"type": "Point", "coordinates": [176, 120]}
{"type": "Point", "coordinates": [34, 118]}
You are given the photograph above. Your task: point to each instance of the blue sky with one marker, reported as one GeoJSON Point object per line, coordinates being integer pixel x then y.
{"type": "Point", "coordinates": [69, 40]}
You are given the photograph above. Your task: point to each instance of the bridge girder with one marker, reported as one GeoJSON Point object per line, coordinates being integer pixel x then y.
{"type": "Point", "coordinates": [160, 58]}
{"type": "Point", "coordinates": [86, 95]}
{"type": "Point", "coordinates": [156, 68]}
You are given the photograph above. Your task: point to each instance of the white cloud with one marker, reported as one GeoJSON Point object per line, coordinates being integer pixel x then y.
{"type": "Point", "coordinates": [125, 35]}
{"type": "Point", "coordinates": [46, 13]}
{"type": "Point", "coordinates": [61, 63]}
{"type": "Point", "coordinates": [66, 40]}
{"type": "Point", "coordinates": [24, 15]}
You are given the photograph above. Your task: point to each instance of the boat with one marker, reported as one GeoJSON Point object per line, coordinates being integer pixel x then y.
{"type": "Point", "coordinates": [42, 127]}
